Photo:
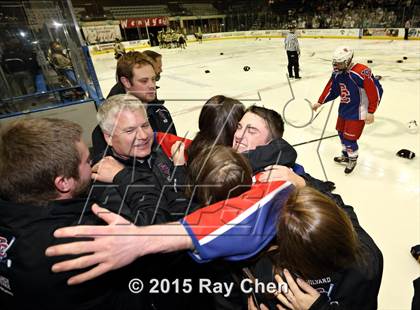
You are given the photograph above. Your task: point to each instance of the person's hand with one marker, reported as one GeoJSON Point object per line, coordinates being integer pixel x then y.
{"type": "Point", "coordinates": [252, 306]}
{"type": "Point", "coordinates": [115, 245]}
{"type": "Point", "coordinates": [281, 173]}
{"type": "Point", "coordinates": [106, 169]}
{"type": "Point", "coordinates": [111, 247]}
{"type": "Point", "coordinates": [299, 296]}
{"type": "Point", "coordinates": [315, 106]}
{"type": "Point", "coordinates": [177, 152]}
{"type": "Point", "coordinates": [370, 118]}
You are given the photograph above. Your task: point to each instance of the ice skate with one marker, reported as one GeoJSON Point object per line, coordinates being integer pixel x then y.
{"type": "Point", "coordinates": [351, 164]}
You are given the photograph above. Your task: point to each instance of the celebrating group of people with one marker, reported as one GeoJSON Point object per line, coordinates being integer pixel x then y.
{"type": "Point", "coordinates": [232, 204]}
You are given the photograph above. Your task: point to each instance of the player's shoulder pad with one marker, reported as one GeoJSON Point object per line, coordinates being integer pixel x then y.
{"type": "Point", "coordinates": [362, 70]}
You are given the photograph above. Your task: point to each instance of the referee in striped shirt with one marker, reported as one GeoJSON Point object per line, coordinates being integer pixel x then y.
{"type": "Point", "coordinates": [291, 45]}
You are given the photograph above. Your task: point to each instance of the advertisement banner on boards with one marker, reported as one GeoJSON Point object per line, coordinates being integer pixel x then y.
{"type": "Point", "coordinates": [414, 33]}
{"type": "Point", "coordinates": [328, 32]}
{"type": "Point", "coordinates": [381, 32]}
{"type": "Point", "coordinates": [143, 22]}
{"type": "Point", "coordinates": [101, 34]}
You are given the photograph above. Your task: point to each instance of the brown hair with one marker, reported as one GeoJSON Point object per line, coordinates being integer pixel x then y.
{"type": "Point", "coordinates": [315, 237]}
{"type": "Point", "coordinates": [218, 173]}
{"type": "Point", "coordinates": [152, 54]}
{"type": "Point", "coordinates": [217, 123]}
{"type": "Point", "coordinates": [33, 152]}
{"type": "Point", "coordinates": [273, 119]}
{"type": "Point", "coordinates": [129, 61]}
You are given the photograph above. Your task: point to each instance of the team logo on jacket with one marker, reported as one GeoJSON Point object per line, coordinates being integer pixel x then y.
{"type": "Point", "coordinates": [162, 115]}
{"type": "Point", "coordinates": [367, 73]}
{"type": "Point", "coordinates": [164, 169]}
{"type": "Point", "coordinates": [5, 245]}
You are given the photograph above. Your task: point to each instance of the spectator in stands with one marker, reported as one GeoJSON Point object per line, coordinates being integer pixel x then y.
{"type": "Point", "coordinates": [20, 66]}
{"type": "Point", "coordinates": [61, 62]}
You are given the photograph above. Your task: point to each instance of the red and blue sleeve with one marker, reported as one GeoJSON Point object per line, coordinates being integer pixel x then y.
{"type": "Point", "coordinates": [240, 227]}
{"type": "Point", "coordinates": [330, 91]}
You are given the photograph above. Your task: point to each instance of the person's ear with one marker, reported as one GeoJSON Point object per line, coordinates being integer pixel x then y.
{"type": "Point", "coordinates": [108, 138]}
{"type": "Point", "coordinates": [125, 82]}
{"type": "Point", "coordinates": [64, 185]}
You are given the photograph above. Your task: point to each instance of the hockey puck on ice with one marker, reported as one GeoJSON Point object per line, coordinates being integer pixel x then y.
{"type": "Point", "coordinates": [405, 58]}
{"type": "Point", "coordinates": [207, 71]}
{"type": "Point", "coordinates": [221, 53]}
{"type": "Point", "coordinates": [247, 68]}
{"type": "Point", "coordinates": [415, 251]}
{"type": "Point", "coordinates": [369, 61]}
{"type": "Point", "coordinates": [404, 153]}
{"type": "Point", "coordinates": [399, 61]}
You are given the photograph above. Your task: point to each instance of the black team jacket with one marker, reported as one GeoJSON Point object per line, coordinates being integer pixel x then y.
{"type": "Point", "coordinates": [26, 279]}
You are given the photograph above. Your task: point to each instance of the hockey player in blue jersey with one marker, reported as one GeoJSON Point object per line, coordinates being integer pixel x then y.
{"type": "Point", "coordinates": [360, 93]}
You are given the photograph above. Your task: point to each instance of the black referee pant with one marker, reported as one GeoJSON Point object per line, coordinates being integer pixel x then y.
{"type": "Point", "coordinates": [293, 58]}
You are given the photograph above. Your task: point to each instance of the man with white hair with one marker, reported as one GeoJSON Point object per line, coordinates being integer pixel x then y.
{"type": "Point", "coordinates": [134, 150]}
{"type": "Point", "coordinates": [360, 93]}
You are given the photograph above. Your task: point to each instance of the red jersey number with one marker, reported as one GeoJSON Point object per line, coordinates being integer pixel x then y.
{"type": "Point", "coordinates": [344, 93]}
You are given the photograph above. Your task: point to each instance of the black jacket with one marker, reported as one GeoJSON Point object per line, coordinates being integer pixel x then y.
{"type": "Point", "coordinates": [26, 279]}
{"type": "Point", "coordinates": [280, 152]}
{"type": "Point", "coordinates": [150, 191]}
{"type": "Point", "coordinates": [277, 152]}
{"type": "Point", "coordinates": [415, 304]}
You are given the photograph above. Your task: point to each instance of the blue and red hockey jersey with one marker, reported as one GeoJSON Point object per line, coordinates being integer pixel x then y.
{"type": "Point", "coordinates": [240, 227]}
{"type": "Point", "coordinates": [359, 90]}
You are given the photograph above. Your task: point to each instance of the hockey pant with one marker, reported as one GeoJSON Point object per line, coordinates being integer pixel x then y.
{"type": "Point", "coordinates": [349, 132]}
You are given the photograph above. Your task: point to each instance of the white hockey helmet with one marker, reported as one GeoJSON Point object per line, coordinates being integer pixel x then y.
{"type": "Point", "coordinates": [342, 58]}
